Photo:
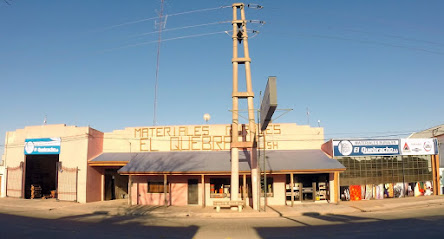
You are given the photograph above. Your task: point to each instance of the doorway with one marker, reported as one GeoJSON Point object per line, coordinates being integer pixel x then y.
{"type": "Point", "coordinates": [307, 187]}
{"type": "Point", "coordinates": [41, 175]}
{"type": "Point", "coordinates": [193, 194]}
{"type": "Point", "coordinates": [116, 185]}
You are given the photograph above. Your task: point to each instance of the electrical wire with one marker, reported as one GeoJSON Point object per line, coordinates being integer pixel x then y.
{"type": "Point", "coordinates": [179, 28]}
{"type": "Point", "coordinates": [169, 15]}
{"type": "Point", "coordinates": [370, 42]}
{"type": "Point", "coordinates": [163, 40]}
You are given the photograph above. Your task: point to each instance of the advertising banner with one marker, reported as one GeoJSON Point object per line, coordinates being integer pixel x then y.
{"type": "Point", "coordinates": [365, 147]}
{"type": "Point", "coordinates": [42, 146]}
{"type": "Point", "coordinates": [419, 147]}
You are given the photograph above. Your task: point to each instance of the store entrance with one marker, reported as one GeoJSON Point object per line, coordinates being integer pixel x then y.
{"type": "Point", "coordinates": [307, 188]}
{"type": "Point", "coordinates": [116, 185]}
{"type": "Point", "coordinates": [41, 176]}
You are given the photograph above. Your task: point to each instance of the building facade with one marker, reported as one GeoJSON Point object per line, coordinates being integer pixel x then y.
{"type": "Point", "coordinates": [386, 168]}
{"type": "Point", "coordinates": [167, 165]}
{"type": "Point", "coordinates": [437, 133]}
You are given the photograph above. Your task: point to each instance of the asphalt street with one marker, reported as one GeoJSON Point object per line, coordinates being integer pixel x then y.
{"type": "Point", "coordinates": [400, 223]}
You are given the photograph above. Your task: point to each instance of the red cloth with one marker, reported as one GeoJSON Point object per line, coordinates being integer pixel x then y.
{"type": "Point", "coordinates": [355, 192]}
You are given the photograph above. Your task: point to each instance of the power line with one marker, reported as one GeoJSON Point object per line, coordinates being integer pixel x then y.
{"type": "Point", "coordinates": [397, 37]}
{"type": "Point", "coordinates": [370, 42]}
{"type": "Point", "coordinates": [169, 39]}
{"type": "Point", "coordinates": [179, 28]}
{"type": "Point", "coordinates": [170, 15]}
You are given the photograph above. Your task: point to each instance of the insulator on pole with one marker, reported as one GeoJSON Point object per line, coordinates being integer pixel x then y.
{"type": "Point", "coordinates": [254, 5]}
{"type": "Point", "coordinates": [257, 21]}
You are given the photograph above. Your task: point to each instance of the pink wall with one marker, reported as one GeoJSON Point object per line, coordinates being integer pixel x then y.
{"type": "Point", "coordinates": [95, 143]}
{"type": "Point", "coordinates": [94, 174]}
{"type": "Point", "coordinates": [327, 147]}
{"type": "Point", "coordinates": [178, 195]}
{"type": "Point", "coordinates": [94, 185]}
{"type": "Point", "coordinates": [140, 187]}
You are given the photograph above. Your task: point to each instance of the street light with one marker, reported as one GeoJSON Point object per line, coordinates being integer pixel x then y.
{"type": "Point", "coordinates": [206, 117]}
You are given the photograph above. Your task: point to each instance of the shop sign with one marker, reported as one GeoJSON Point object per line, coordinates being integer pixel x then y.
{"type": "Point", "coordinates": [42, 146]}
{"type": "Point", "coordinates": [365, 147]}
{"type": "Point", "coordinates": [419, 147]}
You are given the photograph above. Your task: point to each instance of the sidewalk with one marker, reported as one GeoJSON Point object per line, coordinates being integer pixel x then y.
{"type": "Point", "coordinates": [121, 208]}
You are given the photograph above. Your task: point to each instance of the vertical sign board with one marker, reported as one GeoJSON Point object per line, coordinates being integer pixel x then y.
{"type": "Point", "coordinates": [365, 147]}
{"type": "Point", "coordinates": [269, 103]}
{"type": "Point", "coordinates": [42, 146]}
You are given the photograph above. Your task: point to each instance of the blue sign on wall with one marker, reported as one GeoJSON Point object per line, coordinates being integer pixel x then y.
{"type": "Point", "coordinates": [366, 147]}
{"type": "Point", "coordinates": [42, 146]}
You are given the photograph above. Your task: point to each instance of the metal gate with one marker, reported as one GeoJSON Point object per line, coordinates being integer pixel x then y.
{"type": "Point", "coordinates": [67, 184]}
{"type": "Point", "coordinates": [14, 181]}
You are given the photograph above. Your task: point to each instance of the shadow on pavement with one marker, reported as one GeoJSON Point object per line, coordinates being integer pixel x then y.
{"type": "Point", "coordinates": [337, 217]}
{"type": "Point", "coordinates": [93, 225]}
{"type": "Point", "coordinates": [288, 218]}
{"type": "Point", "coordinates": [343, 226]}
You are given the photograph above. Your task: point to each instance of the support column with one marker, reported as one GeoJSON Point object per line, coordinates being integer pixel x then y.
{"type": "Point", "coordinates": [336, 182]}
{"type": "Point", "coordinates": [292, 189]}
{"type": "Point", "coordinates": [102, 188]}
{"type": "Point", "coordinates": [165, 188]}
{"type": "Point", "coordinates": [255, 181]}
{"type": "Point", "coordinates": [130, 183]}
{"type": "Point", "coordinates": [436, 174]}
{"type": "Point", "coordinates": [203, 190]}
{"type": "Point", "coordinates": [244, 189]}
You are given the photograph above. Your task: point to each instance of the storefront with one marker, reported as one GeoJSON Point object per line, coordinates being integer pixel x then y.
{"type": "Point", "coordinates": [50, 161]}
{"type": "Point", "coordinates": [200, 178]}
{"type": "Point", "coordinates": [436, 132]}
{"type": "Point", "coordinates": [172, 165]}
{"type": "Point", "coordinates": [386, 168]}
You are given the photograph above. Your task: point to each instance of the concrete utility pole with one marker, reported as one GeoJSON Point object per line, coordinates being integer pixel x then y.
{"type": "Point", "coordinates": [240, 37]}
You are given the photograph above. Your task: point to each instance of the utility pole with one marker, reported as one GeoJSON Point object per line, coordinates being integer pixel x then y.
{"type": "Point", "coordinates": [240, 37]}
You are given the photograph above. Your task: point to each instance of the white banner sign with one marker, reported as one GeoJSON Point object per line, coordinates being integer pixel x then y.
{"type": "Point", "coordinates": [418, 147]}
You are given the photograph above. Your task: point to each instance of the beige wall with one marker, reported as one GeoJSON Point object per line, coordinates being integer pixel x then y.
{"type": "Point", "coordinates": [278, 191]}
{"type": "Point", "coordinates": [73, 148]}
{"type": "Point", "coordinates": [288, 136]}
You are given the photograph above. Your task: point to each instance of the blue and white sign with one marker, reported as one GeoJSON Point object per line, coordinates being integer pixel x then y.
{"type": "Point", "coordinates": [42, 146]}
{"type": "Point", "coordinates": [365, 147]}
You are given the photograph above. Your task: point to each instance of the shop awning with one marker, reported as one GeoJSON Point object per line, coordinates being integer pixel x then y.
{"type": "Point", "coordinates": [111, 159]}
{"type": "Point", "coordinates": [218, 162]}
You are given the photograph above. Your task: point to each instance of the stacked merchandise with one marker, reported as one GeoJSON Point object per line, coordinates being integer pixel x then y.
{"type": "Point", "coordinates": [388, 190]}
{"type": "Point", "coordinates": [36, 191]}
{"type": "Point", "coordinates": [428, 188]}
{"type": "Point", "coordinates": [410, 189]}
{"type": "Point", "coordinates": [378, 191]}
{"type": "Point", "coordinates": [345, 193]}
{"type": "Point", "coordinates": [368, 192]}
{"type": "Point", "coordinates": [419, 189]}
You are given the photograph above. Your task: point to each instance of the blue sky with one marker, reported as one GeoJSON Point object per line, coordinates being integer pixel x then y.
{"type": "Point", "coordinates": [363, 68]}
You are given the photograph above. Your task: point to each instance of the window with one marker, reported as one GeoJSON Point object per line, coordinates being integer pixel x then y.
{"type": "Point", "coordinates": [219, 187]}
{"type": "Point", "coordinates": [156, 187]}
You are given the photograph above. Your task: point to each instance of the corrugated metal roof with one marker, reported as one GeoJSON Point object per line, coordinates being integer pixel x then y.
{"type": "Point", "coordinates": [219, 161]}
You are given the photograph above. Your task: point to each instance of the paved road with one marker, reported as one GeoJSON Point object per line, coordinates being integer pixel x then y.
{"type": "Point", "coordinates": [407, 223]}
